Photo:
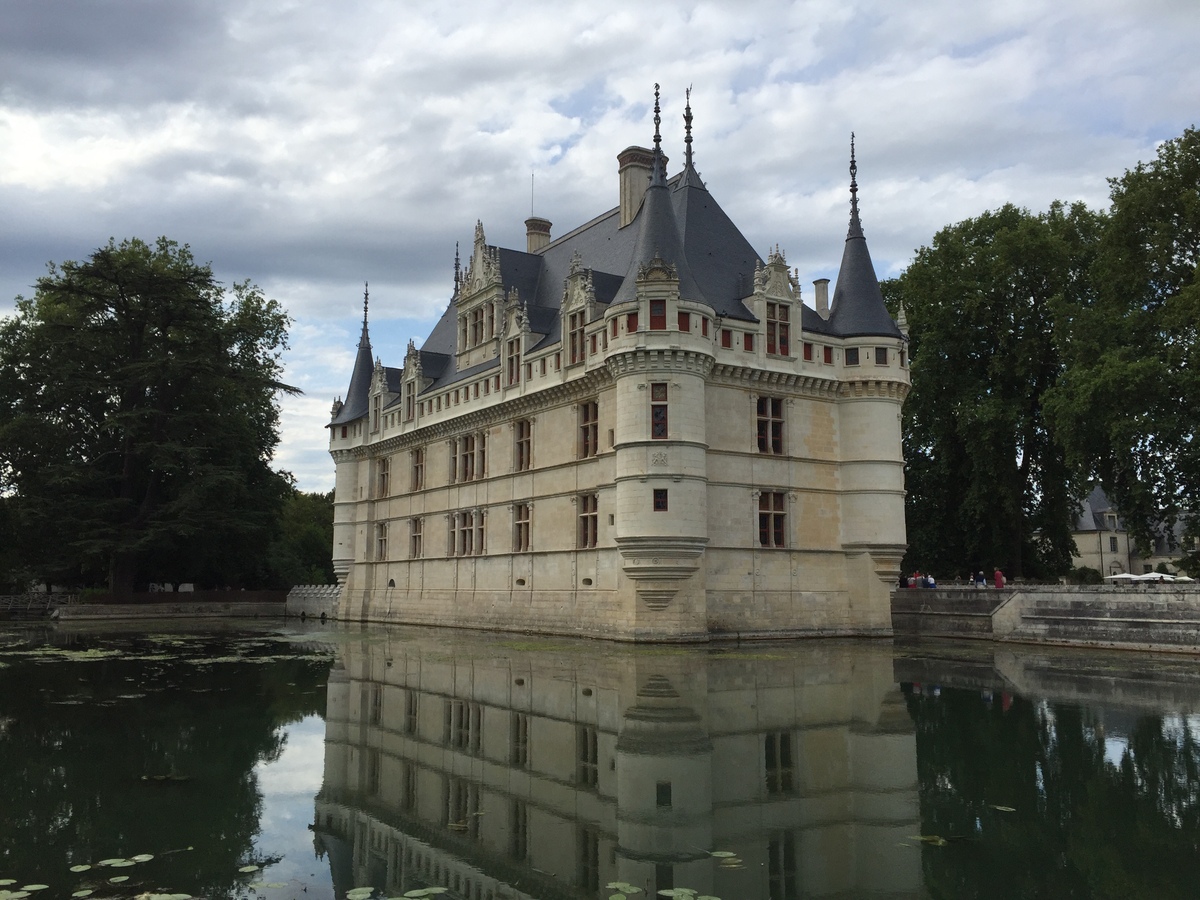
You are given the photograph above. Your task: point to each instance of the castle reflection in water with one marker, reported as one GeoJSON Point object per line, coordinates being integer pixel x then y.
{"type": "Point", "coordinates": [500, 769]}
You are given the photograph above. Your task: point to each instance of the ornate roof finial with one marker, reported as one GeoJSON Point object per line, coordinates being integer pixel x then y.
{"type": "Point", "coordinates": [657, 122]}
{"type": "Point", "coordinates": [687, 128]}
{"type": "Point", "coordinates": [855, 225]}
{"type": "Point", "coordinates": [365, 340]}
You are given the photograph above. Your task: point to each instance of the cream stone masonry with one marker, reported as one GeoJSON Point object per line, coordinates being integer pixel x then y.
{"type": "Point", "coordinates": [636, 430]}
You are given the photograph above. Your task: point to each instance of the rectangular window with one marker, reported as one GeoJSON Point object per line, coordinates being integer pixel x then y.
{"type": "Point", "coordinates": [777, 753]}
{"type": "Point", "coordinates": [828, 355]}
{"type": "Point", "coordinates": [704, 326]}
{"type": "Point", "coordinates": [466, 533]}
{"type": "Point", "coordinates": [376, 404]}
{"type": "Point", "coordinates": [575, 323]}
{"type": "Point", "coordinates": [383, 476]}
{"type": "Point", "coordinates": [658, 315]}
{"type": "Point", "coordinates": [418, 469]}
{"type": "Point", "coordinates": [521, 528]}
{"type": "Point", "coordinates": [528, 371]}
{"type": "Point", "coordinates": [685, 322]}
{"type": "Point", "coordinates": [518, 739]}
{"type": "Point", "coordinates": [464, 726]}
{"type": "Point", "coordinates": [381, 541]}
{"type": "Point", "coordinates": [778, 329]}
{"type": "Point", "coordinates": [782, 883]}
{"type": "Point", "coordinates": [543, 366]}
{"type": "Point", "coordinates": [770, 425]}
{"type": "Point", "coordinates": [903, 358]}
{"type": "Point", "coordinates": [881, 356]}
{"type": "Point", "coordinates": [726, 338]}
{"type": "Point", "coordinates": [513, 356]}
{"type": "Point", "coordinates": [414, 538]}
{"type": "Point", "coordinates": [522, 445]}
{"type": "Point", "coordinates": [588, 520]}
{"type": "Point", "coordinates": [658, 410]}
{"type": "Point", "coordinates": [851, 356]}
{"type": "Point", "coordinates": [631, 323]}
{"type": "Point", "coordinates": [589, 418]}
{"type": "Point", "coordinates": [613, 328]}
{"type": "Point", "coordinates": [748, 342]}
{"type": "Point", "coordinates": [518, 832]}
{"type": "Point", "coordinates": [476, 327]}
{"type": "Point", "coordinates": [660, 499]}
{"type": "Point", "coordinates": [1112, 544]}
{"type": "Point", "coordinates": [662, 794]}
{"type": "Point", "coordinates": [460, 805]}
{"type": "Point", "coordinates": [410, 709]}
{"type": "Point", "coordinates": [587, 875]}
{"type": "Point", "coordinates": [587, 755]}
{"type": "Point", "coordinates": [772, 520]}
{"type": "Point", "coordinates": [410, 391]}
{"type": "Point", "coordinates": [808, 351]}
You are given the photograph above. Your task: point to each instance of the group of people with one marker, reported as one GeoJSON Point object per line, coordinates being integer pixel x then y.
{"type": "Point", "coordinates": [978, 580]}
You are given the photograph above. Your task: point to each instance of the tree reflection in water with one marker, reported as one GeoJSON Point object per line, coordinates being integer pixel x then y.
{"type": "Point", "coordinates": [1095, 812]}
{"type": "Point", "coordinates": [82, 737]}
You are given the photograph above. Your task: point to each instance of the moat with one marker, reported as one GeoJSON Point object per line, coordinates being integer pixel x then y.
{"type": "Point", "coordinates": [279, 762]}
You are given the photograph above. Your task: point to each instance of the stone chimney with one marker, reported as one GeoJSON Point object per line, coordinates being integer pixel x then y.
{"type": "Point", "coordinates": [634, 167]}
{"type": "Point", "coordinates": [821, 285]}
{"type": "Point", "coordinates": [537, 233]}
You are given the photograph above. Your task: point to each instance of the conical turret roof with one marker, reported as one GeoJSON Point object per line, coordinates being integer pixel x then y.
{"type": "Point", "coordinates": [857, 308]}
{"type": "Point", "coordinates": [358, 394]}
{"type": "Point", "coordinates": [657, 229]}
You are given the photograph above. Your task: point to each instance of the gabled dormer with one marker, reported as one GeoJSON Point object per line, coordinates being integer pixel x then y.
{"type": "Point", "coordinates": [478, 299]}
{"type": "Point", "coordinates": [578, 309]}
{"type": "Point", "coordinates": [776, 303]}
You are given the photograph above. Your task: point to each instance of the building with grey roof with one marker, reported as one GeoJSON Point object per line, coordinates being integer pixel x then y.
{"type": "Point", "coordinates": [637, 429]}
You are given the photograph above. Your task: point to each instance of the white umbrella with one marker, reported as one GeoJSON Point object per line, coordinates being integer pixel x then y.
{"type": "Point", "coordinates": [1183, 578]}
{"type": "Point", "coordinates": [1122, 576]}
{"type": "Point", "coordinates": [1155, 576]}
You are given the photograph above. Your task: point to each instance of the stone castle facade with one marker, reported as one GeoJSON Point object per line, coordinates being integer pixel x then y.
{"type": "Point", "coordinates": [636, 430]}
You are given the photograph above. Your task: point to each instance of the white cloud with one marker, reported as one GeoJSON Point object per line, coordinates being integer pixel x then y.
{"type": "Point", "coordinates": [311, 146]}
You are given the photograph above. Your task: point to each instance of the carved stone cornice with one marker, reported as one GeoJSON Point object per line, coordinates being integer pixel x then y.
{"type": "Point", "coordinates": [645, 359]}
{"type": "Point", "coordinates": [874, 388]}
{"type": "Point", "coordinates": [800, 383]}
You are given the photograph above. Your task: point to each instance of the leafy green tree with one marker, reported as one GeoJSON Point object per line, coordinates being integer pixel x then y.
{"type": "Point", "coordinates": [1129, 405]}
{"type": "Point", "coordinates": [987, 483]}
{"type": "Point", "coordinates": [303, 552]}
{"type": "Point", "coordinates": [138, 416]}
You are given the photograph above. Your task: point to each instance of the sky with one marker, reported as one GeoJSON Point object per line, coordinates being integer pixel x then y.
{"type": "Point", "coordinates": [312, 146]}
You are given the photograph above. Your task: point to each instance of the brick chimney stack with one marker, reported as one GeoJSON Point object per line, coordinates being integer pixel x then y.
{"type": "Point", "coordinates": [537, 233]}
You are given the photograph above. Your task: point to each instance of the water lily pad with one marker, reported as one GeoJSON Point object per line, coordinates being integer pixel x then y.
{"type": "Point", "coordinates": [722, 854]}
{"type": "Point", "coordinates": [35, 887]}
{"type": "Point", "coordinates": [361, 893]}
{"type": "Point", "coordinates": [1002, 808]}
{"type": "Point", "coordinates": [80, 868]}
{"type": "Point", "coordinates": [142, 857]}
{"type": "Point", "coordinates": [86, 892]}
{"type": "Point", "coordinates": [4, 881]}
{"type": "Point", "coordinates": [122, 864]}
{"type": "Point", "coordinates": [624, 887]}
{"type": "Point", "coordinates": [118, 879]}
{"type": "Point", "coordinates": [707, 897]}
{"type": "Point", "coordinates": [13, 895]}
{"type": "Point", "coordinates": [248, 869]}
{"type": "Point", "coordinates": [110, 862]}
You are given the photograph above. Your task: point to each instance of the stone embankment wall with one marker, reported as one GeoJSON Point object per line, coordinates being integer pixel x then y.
{"type": "Point", "coordinates": [1147, 616]}
{"type": "Point", "coordinates": [311, 601]}
{"type": "Point", "coordinates": [88, 612]}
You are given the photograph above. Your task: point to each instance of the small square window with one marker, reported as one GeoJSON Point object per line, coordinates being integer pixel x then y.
{"type": "Point", "coordinates": [660, 499]}
{"type": "Point", "coordinates": [852, 356]}
{"type": "Point", "coordinates": [881, 356]}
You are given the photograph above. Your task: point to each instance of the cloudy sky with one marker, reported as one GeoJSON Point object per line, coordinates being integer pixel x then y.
{"type": "Point", "coordinates": [311, 146]}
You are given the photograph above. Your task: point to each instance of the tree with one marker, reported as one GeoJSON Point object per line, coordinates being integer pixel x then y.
{"type": "Point", "coordinates": [303, 552]}
{"type": "Point", "coordinates": [1129, 405]}
{"type": "Point", "coordinates": [987, 483]}
{"type": "Point", "coordinates": [138, 416]}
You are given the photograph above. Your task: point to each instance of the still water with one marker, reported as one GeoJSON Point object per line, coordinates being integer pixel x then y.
{"type": "Point", "coordinates": [289, 764]}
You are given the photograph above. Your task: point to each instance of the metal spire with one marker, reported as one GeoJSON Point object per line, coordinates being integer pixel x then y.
{"type": "Point", "coordinates": [659, 175]}
{"type": "Point", "coordinates": [457, 269]}
{"type": "Point", "coordinates": [687, 129]}
{"type": "Point", "coordinates": [365, 341]}
{"type": "Point", "coordinates": [855, 225]}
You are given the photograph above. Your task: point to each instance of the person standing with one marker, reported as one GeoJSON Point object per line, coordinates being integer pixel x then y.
{"type": "Point", "coordinates": [999, 579]}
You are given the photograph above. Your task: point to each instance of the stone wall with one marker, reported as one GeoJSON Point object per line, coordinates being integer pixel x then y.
{"type": "Point", "coordinates": [312, 601]}
{"type": "Point", "coordinates": [1145, 616]}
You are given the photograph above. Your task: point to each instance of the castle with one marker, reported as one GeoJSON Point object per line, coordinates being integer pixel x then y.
{"type": "Point", "coordinates": [636, 430]}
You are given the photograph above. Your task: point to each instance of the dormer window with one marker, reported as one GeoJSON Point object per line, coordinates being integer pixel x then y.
{"type": "Point", "coordinates": [575, 346]}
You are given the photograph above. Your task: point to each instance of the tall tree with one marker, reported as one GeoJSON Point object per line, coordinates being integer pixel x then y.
{"type": "Point", "coordinates": [987, 484]}
{"type": "Point", "coordinates": [1129, 406]}
{"type": "Point", "coordinates": [138, 416]}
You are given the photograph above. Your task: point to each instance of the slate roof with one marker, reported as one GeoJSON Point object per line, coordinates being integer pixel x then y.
{"type": "Point", "coordinates": [681, 221]}
{"type": "Point", "coordinates": [1092, 513]}
{"type": "Point", "coordinates": [358, 394]}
